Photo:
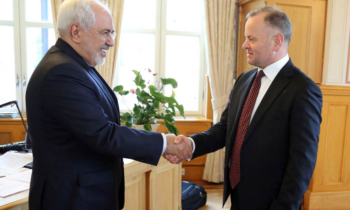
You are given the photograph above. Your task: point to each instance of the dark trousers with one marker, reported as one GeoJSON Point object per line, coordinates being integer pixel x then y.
{"type": "Point", "coordinates": [234, 200]}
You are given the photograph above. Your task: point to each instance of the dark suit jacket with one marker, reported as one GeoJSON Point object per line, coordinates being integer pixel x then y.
{"type": "Point", "coordinates": [78, 143]}
{"type": "Point", "coordinates": [279, 152]}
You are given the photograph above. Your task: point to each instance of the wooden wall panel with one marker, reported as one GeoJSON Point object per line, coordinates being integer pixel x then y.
{"type": "Point", "coordinates": [299, 49]}
{"type": "Point", "coordinates": [164, 183]}
{"type": "Point", "coordinates": [306, 48]}
{"type": "Point", "coordinates": [330, 185]}
{"type": "Point", "coordinates": [5, 137]}
{"type": "Point", "coordinates": [333, 162]}
{"type": "Point", "coordinates": [347, 80]}
{"type": "Point", "coordinates": [334, 152]}
{"type": "Point", "coordinates": [11, 130]}
{"type": "Point", "coordinates": [135, 198]}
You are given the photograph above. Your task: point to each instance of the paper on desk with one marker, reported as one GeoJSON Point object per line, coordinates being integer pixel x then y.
{"type": "Point", "coordinates": [24, 175]}
{"type": "Point", "coordinates": [11, 186]}
{"type": "Point", "coordinates": [13, 160]}
{"type": "Point", "coordinates": [4, 171]}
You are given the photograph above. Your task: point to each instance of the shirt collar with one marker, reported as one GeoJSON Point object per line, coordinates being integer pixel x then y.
{"type": "Point", "coordinates": [272, 70]}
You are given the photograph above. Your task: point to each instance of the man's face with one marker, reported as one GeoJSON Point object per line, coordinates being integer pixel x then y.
{"type": "Point", "coordinates": [259, 43]}
{"type": "Point", "coordinates": [95, 44]}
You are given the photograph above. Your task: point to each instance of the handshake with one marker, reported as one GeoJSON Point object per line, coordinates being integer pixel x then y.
{"type": "Point", "coordinates": [179, 148]}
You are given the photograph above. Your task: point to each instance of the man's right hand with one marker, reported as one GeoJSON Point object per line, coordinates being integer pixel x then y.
{"type": "Point", "coordinates": [184, 146]}
{"type": "Point", "coordinates": [177, 150]}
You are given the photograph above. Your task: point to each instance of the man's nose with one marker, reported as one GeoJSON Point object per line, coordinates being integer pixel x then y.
{"type": "Point", "coordinates": [110, 42]}
{"type": "Point", "coordinates": [245, 45]}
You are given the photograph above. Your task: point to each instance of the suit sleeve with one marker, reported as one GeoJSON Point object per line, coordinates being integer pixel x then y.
{"type": "Point", "coordinates": [214, 138]}
{"type": "Point", "coordinates": [70, 98]}
{"type": "Point", "coordinates": [304, 135]}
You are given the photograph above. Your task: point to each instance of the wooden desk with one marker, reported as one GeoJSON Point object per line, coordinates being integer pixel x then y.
{"type": "Point", "coordinates": [146, 187]}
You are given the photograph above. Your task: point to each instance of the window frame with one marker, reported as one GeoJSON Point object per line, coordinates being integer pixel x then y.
{"type": "Point", "coordinates": [160, 33]}
{"type": "Point", "coordinates": [20, 26]}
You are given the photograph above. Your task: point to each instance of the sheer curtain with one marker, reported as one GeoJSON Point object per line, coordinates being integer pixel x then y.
{"type": "Point", "coordinates": [220, 51]}
{"type": "Point", "coordinates": [107, 70]}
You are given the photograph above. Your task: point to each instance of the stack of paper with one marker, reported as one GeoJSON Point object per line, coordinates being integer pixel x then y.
{"type": "Point", "coordinates": [11, 186]}
{"type": "Point", "coordinates": [15, 160]}
{"type": "Point", "coordinates": [17, 178]}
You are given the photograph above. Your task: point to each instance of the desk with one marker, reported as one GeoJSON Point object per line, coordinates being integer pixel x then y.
{"type": "Point", "coordinates": [146, 187]}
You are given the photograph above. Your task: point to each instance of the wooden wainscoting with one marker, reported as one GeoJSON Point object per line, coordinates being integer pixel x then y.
{"type": "Point", "coordinates": [330, 185]}
{"type": "Point", "coordinates": [12, 130]}
{"type": "Point", "coordinates": [152, 187]}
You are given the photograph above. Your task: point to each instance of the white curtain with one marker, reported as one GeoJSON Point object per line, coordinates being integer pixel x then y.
{"type": "Point", "coordinates": [107, 70]}
{"type": "Point", "coordinates": [220, 52]}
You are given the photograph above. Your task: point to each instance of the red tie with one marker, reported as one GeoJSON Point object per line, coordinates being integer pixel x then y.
{"type": "Point", "coordinates": [242, 129]}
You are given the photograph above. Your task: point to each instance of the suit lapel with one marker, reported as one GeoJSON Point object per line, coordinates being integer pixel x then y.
{"type": "Point", "coordinates": [278, 84]}
{"type": "Point", "coordinates": [243, 88]}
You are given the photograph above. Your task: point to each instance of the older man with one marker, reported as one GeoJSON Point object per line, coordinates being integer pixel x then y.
{"type": "Point", "coordinates": [271, 124]}
{"type": "Point", "coordinates": [78, 143]}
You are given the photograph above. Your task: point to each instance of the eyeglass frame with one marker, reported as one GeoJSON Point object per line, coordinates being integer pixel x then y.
{"type": "Point", "coordinates": [106, 34]}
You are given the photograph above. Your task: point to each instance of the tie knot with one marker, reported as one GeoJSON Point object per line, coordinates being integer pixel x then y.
{"type": "Point", "coordinates": [260, 74]}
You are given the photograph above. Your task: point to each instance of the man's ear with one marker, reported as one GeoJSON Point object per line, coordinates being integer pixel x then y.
{"type": "Point", "coordinates": [75, 32]}
{"type": "Point", "coordinates": [278, 41]}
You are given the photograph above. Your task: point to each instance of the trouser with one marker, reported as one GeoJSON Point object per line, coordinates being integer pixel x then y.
{"type": "Point", "coordinates": [234, 200]}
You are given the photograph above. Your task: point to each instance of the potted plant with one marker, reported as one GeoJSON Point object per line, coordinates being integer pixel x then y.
{"type": "Point", "coordinates": [152, 104]}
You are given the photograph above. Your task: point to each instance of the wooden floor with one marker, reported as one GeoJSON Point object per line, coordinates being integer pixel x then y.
{"type": "Point", "coordinates": [214, 200]}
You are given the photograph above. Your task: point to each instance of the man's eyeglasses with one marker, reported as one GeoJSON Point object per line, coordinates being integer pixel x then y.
{"type": "Point", "coordinates": [106, 34]}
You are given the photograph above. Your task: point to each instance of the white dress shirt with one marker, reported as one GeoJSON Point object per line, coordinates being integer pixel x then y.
{"type": "Point", "coordinates": [271, 72]}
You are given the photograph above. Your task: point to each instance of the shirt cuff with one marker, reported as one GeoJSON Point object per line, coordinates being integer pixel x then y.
{"type": "Point", "coordinates": [193, 144]}
{"type": "Point", "coordinates": [164, 143]}
{"type": "Point", "coordinates": [193, 147]}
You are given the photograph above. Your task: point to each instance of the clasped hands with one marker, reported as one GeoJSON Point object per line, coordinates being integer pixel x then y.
{"type": "Point", "coordinates": [179, 148]}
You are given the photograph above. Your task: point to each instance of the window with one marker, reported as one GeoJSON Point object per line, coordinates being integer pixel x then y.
{"type": "Point", "coordinates": [26, 34]}
{"type": "Point", "coordinates": [165, 36]}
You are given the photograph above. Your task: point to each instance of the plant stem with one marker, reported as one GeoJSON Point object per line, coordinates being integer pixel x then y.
{"type": "Point", "coordinates": [126, 104]}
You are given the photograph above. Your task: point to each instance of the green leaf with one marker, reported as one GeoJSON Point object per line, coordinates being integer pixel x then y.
{"type": "Point", "coordinates": [171, 100]}
{"type": "Point", "coordinates": [136, 72]}
{"type": "Point", "coordinates": [167, 81]}
{"type": "Point", "coordinates": [138, 80]}
{"type": "Point", "coordinates": [159, 116]}
{"type": "Point", "coordinates": [137, 110]}
{"type": "Point", "coordinates": [170, 124]}
{"type": "Point", "coordinates": [147, 127]}
{"type": "Point", "coordinates": [124, 117]}
{"type": "Point", "coordinates": [128, 124]}
{"type": "Point", "coordinates": [120, 91]}
{"type": "Point", "coordinates": [181, 110]}
{"type": "Point", "coordinates": [156, 104]}
{"type": "Point", "coordinates": [145, 95]}
{"type": "Point", "coordinates": [173, 94]}
{"type": "Point", "coordinates": [163, 99]}
{"type": "Point", "coordinates": [128, 119]}
{"type": "Point", "coordinates": [171, 106]}
{"type": "Point", "coordinates": [154, 92]}
{"type": "Point", "coordinates": [118, 88]}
